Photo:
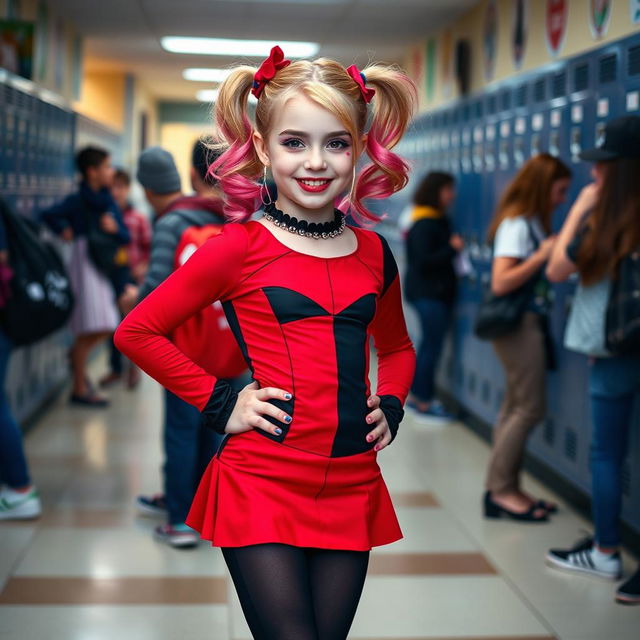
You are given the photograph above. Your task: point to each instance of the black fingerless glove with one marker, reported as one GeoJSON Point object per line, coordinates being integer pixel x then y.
{"type": "Point", "coordinates": [393, 412]}
{"type": "Point", "coordinates": [216, 413]}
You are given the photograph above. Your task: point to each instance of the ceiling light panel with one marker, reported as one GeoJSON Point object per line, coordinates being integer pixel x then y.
{"type": "Point", "coordinates": [228, 47]}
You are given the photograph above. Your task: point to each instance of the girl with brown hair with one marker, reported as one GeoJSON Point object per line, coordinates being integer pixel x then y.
{"type": "Point", "coordinates": [602, 229]}
{"type": "Point", "coordinates": [520, 232]}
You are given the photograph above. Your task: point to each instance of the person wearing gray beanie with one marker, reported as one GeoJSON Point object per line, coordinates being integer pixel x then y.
{"type": "Point", "coordinates": [157, 171]}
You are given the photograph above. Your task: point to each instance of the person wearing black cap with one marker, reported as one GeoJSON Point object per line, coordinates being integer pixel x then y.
{"type": "Point", "coordinates": [601, 230]}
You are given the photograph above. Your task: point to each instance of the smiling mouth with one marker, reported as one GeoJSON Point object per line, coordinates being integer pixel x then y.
{"type": "Point", "coordinates": [314, 185]}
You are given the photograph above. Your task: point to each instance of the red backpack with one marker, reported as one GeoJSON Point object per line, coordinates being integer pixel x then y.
{"type": "Point", "coordinates": [206, 338]}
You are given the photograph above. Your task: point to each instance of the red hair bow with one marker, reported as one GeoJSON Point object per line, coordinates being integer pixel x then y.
{"type": "Point", "coordinates": [360, 79]}
{"type": "Point", "coordinates": [268, 70]}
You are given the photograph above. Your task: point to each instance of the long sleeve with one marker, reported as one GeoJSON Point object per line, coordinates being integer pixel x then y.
{"type": "Point", "coordinates": [57, 217]}
{"type": "Point", "coordinates": [165, 240]}
{"type": "Point", "coordinates": [427, 248]}
{"type": "Point", "coordinates": [123, 232]}
{"type": "Point", "coordinates": [209, 275]}
{"type": "Point", "coordinates": [396, 355]}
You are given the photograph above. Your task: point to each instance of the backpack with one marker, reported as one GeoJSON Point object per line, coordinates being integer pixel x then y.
{"type": "Point", "coordinates": [41, 299]}
{"type": "Point", "coordinates": [206, 337]}
{"type": "Point", "coordinates": [623, 308]}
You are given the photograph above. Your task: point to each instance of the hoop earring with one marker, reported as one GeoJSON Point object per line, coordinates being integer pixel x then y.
{"type": "Point", "coordinates": [265, 189]}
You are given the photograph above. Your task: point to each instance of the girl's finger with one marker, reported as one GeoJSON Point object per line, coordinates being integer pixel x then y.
{"type": "Point", "coordinates": [376, 433]}
{"type": "Point", "coordinates": [373, 401]}
{"type": "Point", "coordinates": [375, 416]}
{"type": "Point", "coordinates": [270, 393]}
{"type": "Point", "coordinates": [262, 423]}
{"type": "Point", "coordinates": [268, 409]}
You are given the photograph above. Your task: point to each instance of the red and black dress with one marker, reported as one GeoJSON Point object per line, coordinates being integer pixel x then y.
{"type": "Point", "coordinates": [303, 324]}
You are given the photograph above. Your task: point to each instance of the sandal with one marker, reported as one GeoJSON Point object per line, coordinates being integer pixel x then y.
{"type": "Point", "coordinates": [495, 511]}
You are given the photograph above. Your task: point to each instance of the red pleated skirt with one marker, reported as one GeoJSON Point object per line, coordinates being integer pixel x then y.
{"type": "Point", "coordinates": [256, 491]}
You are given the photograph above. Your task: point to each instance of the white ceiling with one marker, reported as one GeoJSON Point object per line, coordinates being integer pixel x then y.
{"type": "Point", "coordinates": [125, 34]}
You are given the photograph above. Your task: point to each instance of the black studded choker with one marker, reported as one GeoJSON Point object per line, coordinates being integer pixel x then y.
{"type": "Point", "coordinates": [319, 231]}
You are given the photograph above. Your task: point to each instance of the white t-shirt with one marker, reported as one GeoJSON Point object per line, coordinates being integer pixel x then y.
{"type": "Point", "coordinates": [513, 238]}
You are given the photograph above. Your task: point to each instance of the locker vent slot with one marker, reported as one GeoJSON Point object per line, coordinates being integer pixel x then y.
{"type": "Point", "coordinates": [478, 110]}
{"type": "Point", "coordinates": [491, 104]}
{"type": "Point", "coordinates": [521, 96]}
{"type": "Point", "coordinates": [559, 84]}
{"type": "Point", "coordinates": [570, 444]}
{"type": "Point", "coordinates": [608, 69]}
{"type": "Point", "coordinates": [506, 100]}
{"type": "Point", "coordinates": [633, 60]}
{"type": "Point", "coordinates": [466, 113]}
{"type": "Point", "coordinates": [549, 433]}
{"type": "Point", "coordinates": [472, 381]}
{"type": "Point", "coordinates": [581, 77]}
{"type": "Point", "coordinates": [486, 391]}
{"type": "Point", "coordinates": [539, 91]}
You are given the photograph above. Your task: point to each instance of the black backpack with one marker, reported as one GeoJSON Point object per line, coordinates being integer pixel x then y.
{"type": "Point", "coordinates": [41, 299]}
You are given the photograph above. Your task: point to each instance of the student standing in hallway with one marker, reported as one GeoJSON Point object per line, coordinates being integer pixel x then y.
{"type": "Point", "coordinates": [520, 232]}
{"type": "Point", "coordinates": [430, 284]}
{"type": "Point", "coordinates": [188, 448]}
{"type": "Point", "coordinates": [95, 315]}
{"type": "Point", "coordinates": [601, 230]}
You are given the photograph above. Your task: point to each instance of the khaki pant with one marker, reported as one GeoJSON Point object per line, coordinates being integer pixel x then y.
{"type": "Point", "coordinates": [522, 355]}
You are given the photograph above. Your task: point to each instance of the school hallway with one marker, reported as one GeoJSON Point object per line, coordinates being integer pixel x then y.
{"type": "Point", "coordinates": [90, 570]}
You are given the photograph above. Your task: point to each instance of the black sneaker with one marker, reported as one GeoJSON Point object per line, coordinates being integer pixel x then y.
{"type": "Point", "coordinates": [155, 505]}
{"type": "Point", "coordinates": [583, 558]}
{"type": "Point", "coordinates": [629, 592]}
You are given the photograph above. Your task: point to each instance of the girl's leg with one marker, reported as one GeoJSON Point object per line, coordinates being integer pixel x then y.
{"type": "Point", "coordinates": [79, 355]}
{"type": "Point", "coordinates": [612, 384]}
{"type": "Point", "coordinates": [337, 579]}
{"type": "Point", "coordinates": [13, 464]}
{"type": "Point", "coordinates": [272, 582]}
{"type": "Point", "coordinates": [435, 318]}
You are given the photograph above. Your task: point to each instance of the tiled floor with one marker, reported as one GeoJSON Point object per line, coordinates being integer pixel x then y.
{"type": "Point", "coordinates": [89, 570]}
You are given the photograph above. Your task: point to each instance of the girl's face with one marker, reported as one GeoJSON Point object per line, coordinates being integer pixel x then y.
{"type": "Point", "coordinates": [559, 192]}
{"type": "Point", "coordinates": [447, 196]}
{"type": "Point", "coordinates": [310, 154]}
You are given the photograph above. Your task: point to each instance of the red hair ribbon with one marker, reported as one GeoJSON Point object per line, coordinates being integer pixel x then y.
{"type": "Point", "coordinates": [361, 80]}
{"type": "Point", "coordinates": [268, 70]}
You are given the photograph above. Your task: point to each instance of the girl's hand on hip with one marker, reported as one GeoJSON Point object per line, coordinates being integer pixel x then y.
{"type": "Point", "coordinates": [252, 406]}
{"type": "Point", "coordinates": [381, 434]}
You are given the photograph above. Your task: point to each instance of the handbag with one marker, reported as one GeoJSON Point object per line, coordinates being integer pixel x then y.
{"type": "Point", "coordinates": [500, 315]}
{"type": "Point", "coordinates": [40, 299]}
{"type": "Point", "coordinates": [103, 246]}
{"type": "Point", "coordinates": [622, 324]}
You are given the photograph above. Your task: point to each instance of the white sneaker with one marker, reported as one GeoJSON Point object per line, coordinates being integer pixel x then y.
{"type": "Point", "coordinates": [584, 557]}
{"type": "Point", "coordinates": [16, 505]}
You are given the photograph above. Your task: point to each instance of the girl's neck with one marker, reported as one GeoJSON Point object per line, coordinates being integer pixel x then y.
{"type": "Point", "coordinates": [324, 214]}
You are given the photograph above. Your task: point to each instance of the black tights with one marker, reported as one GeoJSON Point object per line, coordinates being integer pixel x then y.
{"type": "Point", "coordinates": [295, 593]}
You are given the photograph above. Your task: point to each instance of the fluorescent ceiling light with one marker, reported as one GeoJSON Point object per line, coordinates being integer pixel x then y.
{"type": "Point", "coordinates": [206, 75]}
{"type": "Point", "coordinates": [207, 95]}
{"type": "Point", "coordinates": [211, 95]}
{"type": "Point", "coordinates": [227, 47]}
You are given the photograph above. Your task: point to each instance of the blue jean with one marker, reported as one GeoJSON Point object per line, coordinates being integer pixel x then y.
{"type": "Point", "coordinates": [613, 383]}
{"type": "Point", "coordinates": [188, 449]}
{"type": "Point", "coordinates": [13, 463]}
{"type": "Point", "coordinates": [435, 318]}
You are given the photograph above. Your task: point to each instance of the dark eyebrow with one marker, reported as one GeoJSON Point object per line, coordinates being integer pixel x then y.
{"type": "Point", "coordinates": [302, 134]}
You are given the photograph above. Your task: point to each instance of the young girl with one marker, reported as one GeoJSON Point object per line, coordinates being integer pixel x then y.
{"type": "Point", "coordinates": [603, 228]}
{"type": "Point", "coordinates": [520, 230]}
{"type": "Point", "coordinates": [294, 495]}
